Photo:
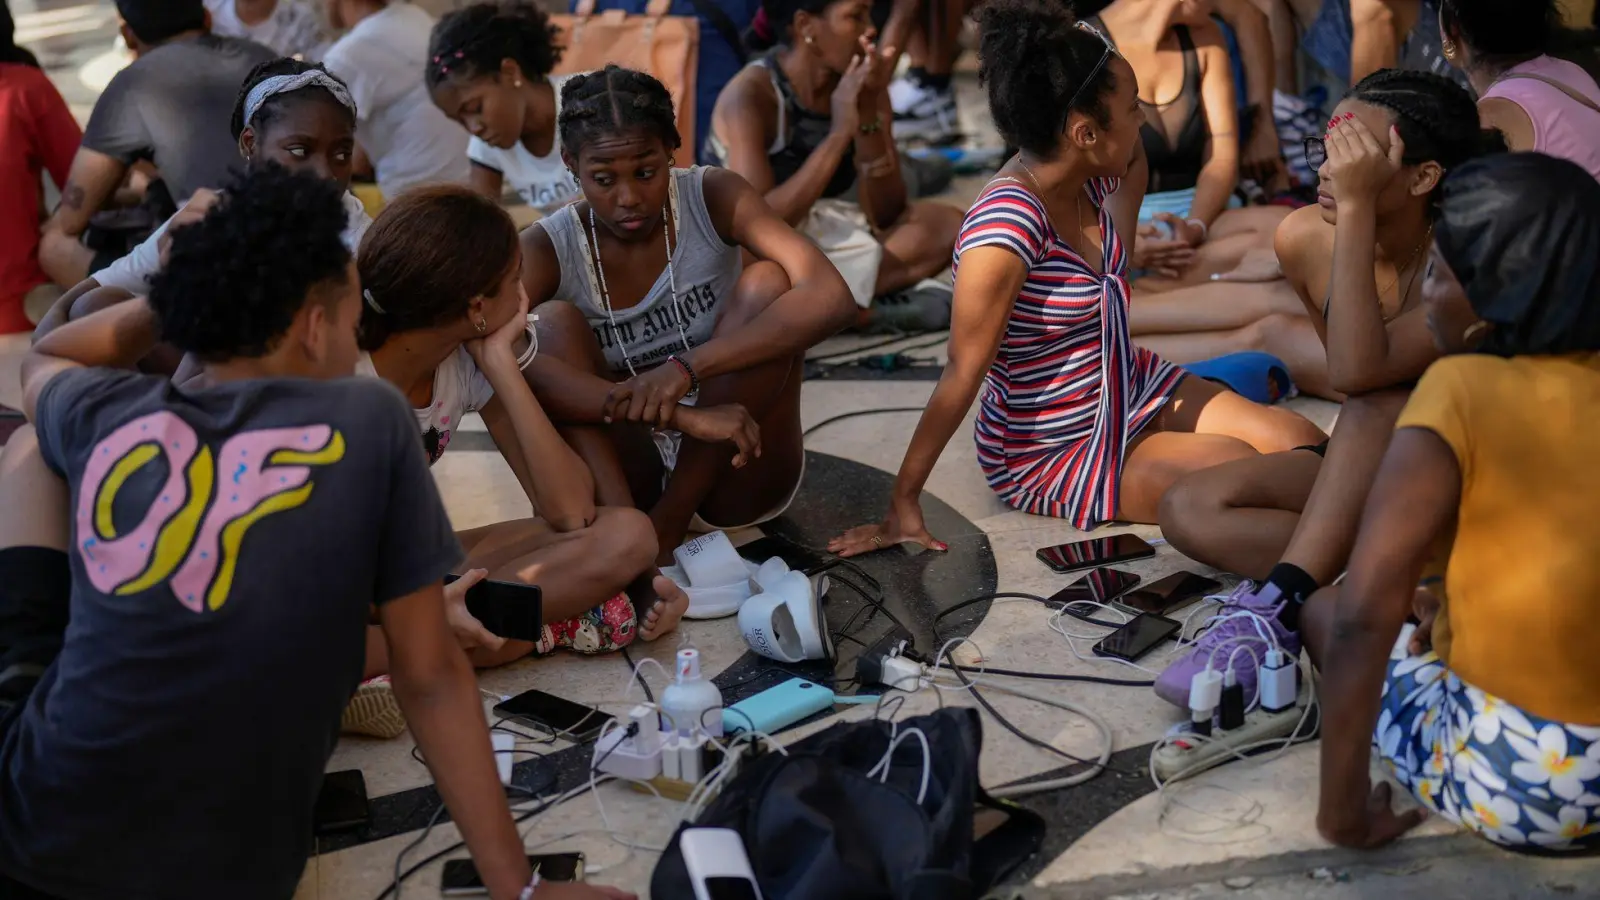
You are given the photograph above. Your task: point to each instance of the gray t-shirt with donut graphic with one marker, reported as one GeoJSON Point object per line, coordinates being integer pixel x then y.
{"type": "Point", "coordinates": [705, 269]}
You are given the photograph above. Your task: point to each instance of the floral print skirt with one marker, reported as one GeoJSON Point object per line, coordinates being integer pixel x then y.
{"type": "Point", "coordinates": [1516, 779]}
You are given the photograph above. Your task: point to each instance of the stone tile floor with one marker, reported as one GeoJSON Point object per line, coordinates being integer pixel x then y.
{"type": "Point", "coordinates": [1113, 836]}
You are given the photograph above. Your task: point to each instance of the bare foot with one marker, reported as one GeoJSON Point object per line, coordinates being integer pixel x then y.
{"type": "Point", "coordinates": [664, 616]}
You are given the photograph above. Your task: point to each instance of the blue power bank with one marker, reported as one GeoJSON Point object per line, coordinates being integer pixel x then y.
{"type": "Point", "coordinates": [793, 701]}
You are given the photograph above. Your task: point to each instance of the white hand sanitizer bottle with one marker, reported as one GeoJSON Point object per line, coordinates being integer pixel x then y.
{"type": "Point", "coordinates": [692, 703]}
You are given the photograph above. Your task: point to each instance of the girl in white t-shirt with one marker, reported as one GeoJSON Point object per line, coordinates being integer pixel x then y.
{"type": "Point", "coordinates": [445, 321]}
{"type": "Point", "coordinates": [489, 69]}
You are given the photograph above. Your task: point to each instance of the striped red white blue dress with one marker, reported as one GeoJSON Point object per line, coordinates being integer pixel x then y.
{"type": "Point", "coordinates": [1068, 387]}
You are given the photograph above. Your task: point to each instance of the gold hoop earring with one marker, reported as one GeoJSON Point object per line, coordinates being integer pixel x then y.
{"type": "Point", "coordinates": [482, 325]}
{"type": "Point", "coordinates": [1473, 331]}
{"type": "Point", "coordinates": [1448, 48]}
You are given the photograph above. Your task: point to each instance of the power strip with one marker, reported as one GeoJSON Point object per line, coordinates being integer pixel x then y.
{"type": "Point", "coordinates": [1178, 755]}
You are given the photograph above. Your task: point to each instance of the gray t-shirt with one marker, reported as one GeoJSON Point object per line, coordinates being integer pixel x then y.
{"type": "Point", "coordinates": [705, 268]}
{"type": "Point", "coordinates": [227, 546]}
{"type": "Point", "coordinates": [174, 106]}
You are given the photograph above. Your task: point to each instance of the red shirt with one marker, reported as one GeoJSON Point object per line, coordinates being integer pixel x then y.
{"type": "Point", "coordinates": [37, 132]}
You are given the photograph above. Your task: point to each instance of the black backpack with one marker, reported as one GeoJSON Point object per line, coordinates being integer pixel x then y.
{"type": "Point", "coordinates": [817, 827]}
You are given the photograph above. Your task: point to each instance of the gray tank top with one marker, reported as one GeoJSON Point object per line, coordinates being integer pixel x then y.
{"type": "Point", "coordinates": [704, 270]}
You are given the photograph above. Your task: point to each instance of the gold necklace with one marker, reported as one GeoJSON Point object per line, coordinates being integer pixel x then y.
{"type": "Point", "coordinates": [1426, 240]}
{"type": "Point", "coordinates": [1077, 205]}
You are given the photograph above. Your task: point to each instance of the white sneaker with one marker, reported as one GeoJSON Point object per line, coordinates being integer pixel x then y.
{"type": "Point", "coordinates": [923, 112]}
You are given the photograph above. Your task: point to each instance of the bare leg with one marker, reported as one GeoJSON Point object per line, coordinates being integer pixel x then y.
{"type": "Point", "coordinates": [1316, 623]}
{"type": "Point", "coordinates": [1239, 516]}
{"type": "Point", "coordinates": [1256, 221]}
{"type": "Point", "coordinates": [704, 481]}
{"type": "Point", "coordinates": [1202, 426]}
{"type": "Point", "coordinates": [1292, 339]}
{"type": "Point", "coordinates": [918, 246]}
{"type": "Point", "coordinates": [34, 502]}
{"type": "Point", "coordinates": [624, 461]}
{"type": "Point", "coordinates": [1212, 306]}
{"type": "Point", "coordinates": [576, 570]}
{"type": "Point", "coordinates": [1321, 545]}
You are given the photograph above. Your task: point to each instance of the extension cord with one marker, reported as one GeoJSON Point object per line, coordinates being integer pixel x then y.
{"type": "Point", "coordinates": [1178, 756]}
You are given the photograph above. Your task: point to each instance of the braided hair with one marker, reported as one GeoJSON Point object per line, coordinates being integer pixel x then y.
{"type": "Point", "coordinates": [9, 51]}
{"type": "Point", "coordinates": [1038, 66]}
{"type": "Point", "coordinates": [1436, 117]}
{"type": "Point", "coordinates": [270, 239]}
{"type": "Point", "coordinates": [613, 100]}
{"type": "Point", "coordinates": [270, 108]}
{"type": "Point", "coordinates": [476, 39]}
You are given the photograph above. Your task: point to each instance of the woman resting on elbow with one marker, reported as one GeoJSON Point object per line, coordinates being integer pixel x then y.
{"type": "Point", "coordinates": [1074, 421]}
{"type": "Point", "coordinates": [809, 124]}
{"type": "Point", "coordinates": [672, 366]}
{"type": "Point", "coordinates": [1191, 139]}
{"type": "Point", "coordinates": [445, 321]}
{"type": "Point", "coordinates": [1287, 315]}
{"type": "Point", "coordinates": [1489, 711]}
{"type": "Point", "coordinates": [1288, 520]}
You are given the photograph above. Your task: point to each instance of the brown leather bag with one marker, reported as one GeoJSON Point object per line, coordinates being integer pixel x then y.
{"type": "Point", "coordinates": [667, 47]}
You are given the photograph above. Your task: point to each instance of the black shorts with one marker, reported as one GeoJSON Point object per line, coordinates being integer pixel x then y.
{"type": "Point", "coordinates": [1319, 449]}
{"type": "Point", "coordinates": [35, 595]}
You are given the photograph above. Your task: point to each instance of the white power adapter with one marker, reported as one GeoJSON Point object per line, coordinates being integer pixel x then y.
{"type": "Point", "coordinates": [1280, 689]}
{"type": "Point", "coordinates": [503, 744]}
{"type": "Point", "coordinates": [633, 752]}
{"type": "Point", "coordinates": [901, 673]}
{"type": "Point", "coordinates": [1205, 695]}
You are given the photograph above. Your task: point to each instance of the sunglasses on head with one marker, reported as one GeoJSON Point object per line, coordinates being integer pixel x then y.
{"type": "Point", "coordinates": [1105, 57]}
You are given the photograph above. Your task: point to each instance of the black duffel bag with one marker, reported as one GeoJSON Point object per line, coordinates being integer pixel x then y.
{"type": "Point", "coordinates": [817, 826]}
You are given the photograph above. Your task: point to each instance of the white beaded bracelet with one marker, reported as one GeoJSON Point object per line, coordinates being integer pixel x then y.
{"type": "Point", "coordinates": [1205, 230]}
{"type": "Point", "coordinates": [533, 884]}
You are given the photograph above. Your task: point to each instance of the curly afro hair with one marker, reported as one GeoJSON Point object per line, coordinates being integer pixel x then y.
{"type": "Point", "coordinates": [428, 254]}
{"type": "Point", "coordinates": [612, 101]}
{"type": "Point", "coordinates": [270, 109]}
{"type": "Point", "coordinates": [474, 40]}
{"type": "Point", "coordinates": [235, 280]}
{"type": "Point", "coordinates": [1038, 66]}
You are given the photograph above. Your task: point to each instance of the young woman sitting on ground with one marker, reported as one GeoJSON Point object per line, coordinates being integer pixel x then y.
{"type": "Point", "coordinates": [1541, 103]}
{"type": "Point", "coordinates": [489, 69]}
{"type": "Point", "coordinates": [672, 366]}
{"type": "Point", "coordinates": [1191, 138]}
{"type": "Point", "coordinates": [809, 124]}
{"type": "Point", "coordinates": [1287, 316]}
{"type": "Point", "coordinates": [445, 320]}
{"type": "Point", "coordinates": [1289, 520]}
{"type": "Point", "coordinates": [227, 545]}
{"type": "Point", "coordinates": [289, 113]}
{"type": "Point", "coordinates": [1074, 421]}
{"type": "Point", "coordinates": [1489, 711]}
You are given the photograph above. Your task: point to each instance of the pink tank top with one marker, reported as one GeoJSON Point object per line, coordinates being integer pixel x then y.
{"type": "Point", "coordinates": [1562, 126]}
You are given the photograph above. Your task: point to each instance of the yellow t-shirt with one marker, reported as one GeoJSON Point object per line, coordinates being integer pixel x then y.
{"type": "Point", "coordinates": [1521, 615]}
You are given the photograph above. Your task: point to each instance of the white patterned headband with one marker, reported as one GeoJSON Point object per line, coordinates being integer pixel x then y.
{"type": "Point", "coordinates": [283, 84]}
